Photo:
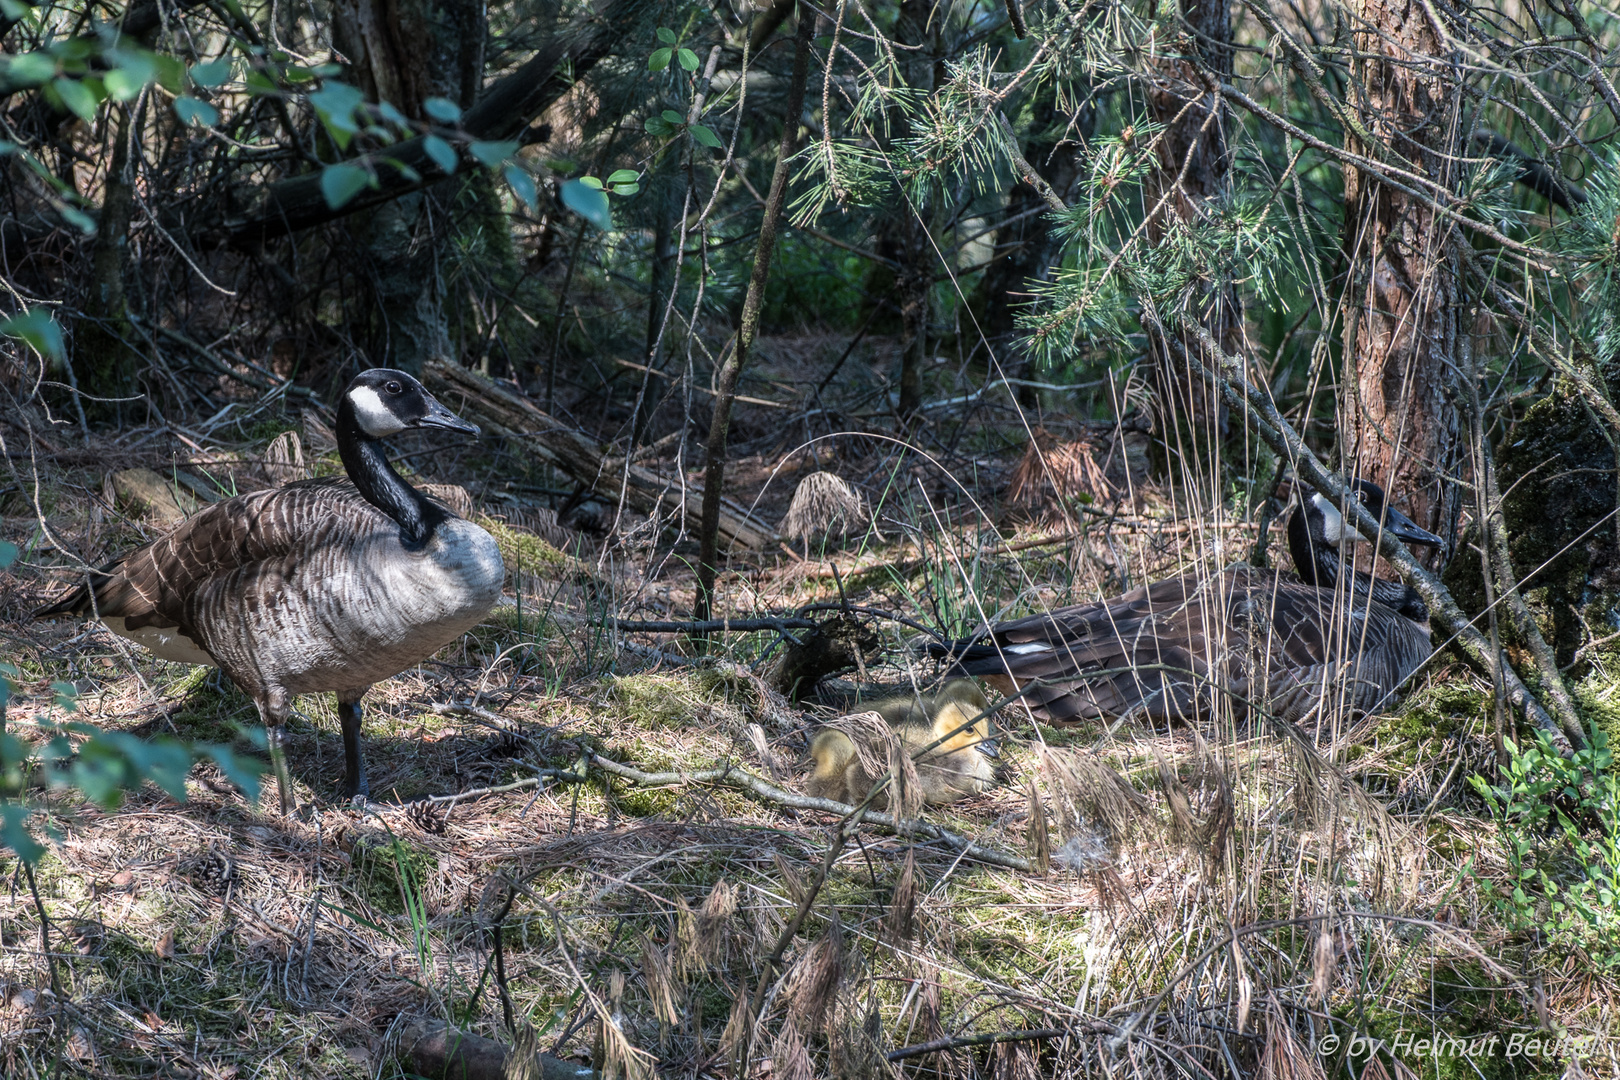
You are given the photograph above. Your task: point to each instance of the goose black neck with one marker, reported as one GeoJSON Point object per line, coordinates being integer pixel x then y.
{"type": "Point", "coordinates": [1318, 563]}
{"type": "Point", "coordinates": [376, 480]}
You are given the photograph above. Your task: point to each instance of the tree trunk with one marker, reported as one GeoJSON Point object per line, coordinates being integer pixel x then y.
{"type": "Point", "coordinates": [904, 235]}
{"type": "Point", "coordinates": [404, 52]}
{"type": "Point", "coordinates": [714, 464]}
{"type": "Point", "coordinates": [1027, 248]}
{"type": "Point", "coordinates": [1400, 420]}
{"type": "Point", "coordinates": [1194, 170]}
{"type": "Point", "coordinates": [104, 362]}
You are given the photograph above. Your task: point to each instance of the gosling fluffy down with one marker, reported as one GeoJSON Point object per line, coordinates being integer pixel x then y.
{"type": "Point", "coordinates": [961, 765]}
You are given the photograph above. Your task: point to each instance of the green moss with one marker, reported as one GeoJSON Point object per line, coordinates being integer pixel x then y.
{"type": "Point", "coordinates": [523, 552]}
{"type": "Point", "coordinates": [677, 700]}
{"type": "Point", "coordinates": [1465, 1011]}
{"type": "Point", "coordinates": [1598, 698]}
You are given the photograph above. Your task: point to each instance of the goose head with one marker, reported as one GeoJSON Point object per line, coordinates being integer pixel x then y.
{"type": "Point", "coordinates": [381, 402]}
{"type": "Point", "coordinates": [1318, 530]}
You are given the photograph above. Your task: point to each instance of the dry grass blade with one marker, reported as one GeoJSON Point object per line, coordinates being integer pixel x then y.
{"type": "Point", "coordinates": [824, 507]}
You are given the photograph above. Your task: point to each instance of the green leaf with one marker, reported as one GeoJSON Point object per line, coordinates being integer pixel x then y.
{"type": "Point", "coordinates": [658, 126]}
{"type": "Point", "coordinates": [441, 109]}
{"type": "Point", "coordinates": [244, 772]}
{"type": "Point", "coordinates": [688, 59]}
{"type": "Point", "coordinates": [335, 104]}
{"type": "Point", "coordinates": [8, 554]}
{"type": "Point", "coordinates": [705, 136]}
{"type": "Point", "coordinates": [666, 35]}
{"type": "Point", "coordinates": [211, 74]}
{"type": "Point", "coordinates": [442, 153]}
{"type": "Point", "coordinates": [588, 202]}
{"type": "Point", "coordinates": [36, 327]}
{"type": "Point", "coordinates": [259, 84]}
{"type": "Point", "coordinates": [77, 96]}
{"type": "Point", "coordinates": [659, 60]}
{"type": "Point", "coordinates": [624, 176]}
{"type": "Point", "coordinates": [295, 73]}
{"type": "Point", "coordinates": [121, 85]}
{"type": "Point", "coordinates": [169, 72]}
{"type": "Point", "coordinates": [522, 185]}
{"type": "Point", "coordinates": [31, 69]}
{"type": "Point", "coordinates": [78, 218]}
{"type": "Point", "coordinates": [14, 833]}
{"type": "Point", "coordinates": [340, 183]}
{"type": "Point", "coordinates": [15, 10]}
{"type": "Point", "coordinates": [491, 154]}
{"type": "Point", "coordinates": [626, 189]}
{"type": "Point", "coordinates": [410, 174]}
{"type": "Point", "coordinates": [392, 115]}
{"type": "Point", "coordinates": [591, 182]}
{"type": "Point", "coordinates": [192, 111]}
{"type": "Point", "coordinates": [131, 70]}
{"type": "Point", "coordinates": [673, 117]}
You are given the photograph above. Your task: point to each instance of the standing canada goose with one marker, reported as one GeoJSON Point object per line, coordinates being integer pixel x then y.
{"type": "Point", "coordinates": [960, 765]}
{"type": "Point", "coordinates": [1166, 651]}
{"type": "Point", "coordinates": [327, 584]}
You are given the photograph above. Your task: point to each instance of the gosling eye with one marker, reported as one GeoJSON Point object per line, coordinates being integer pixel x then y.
{"type": "Point", "coordinates": [393, 387]}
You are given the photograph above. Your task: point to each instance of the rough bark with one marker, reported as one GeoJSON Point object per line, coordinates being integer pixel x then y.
{"type": "Point", "coordinates": [1402, 323]}
{"type": "Point", "coordinates": [714, 469]}
{"type": "Point", "coordinates": [904, 236]}
{"type": "Point", "coordinates": [105, 363]}
{"type": "Point", "coordinates": [1192, 178]}
{"type": "Point", "coordinates": [503, 111]}
{"type": "Point", "coordinates": [404, 52]}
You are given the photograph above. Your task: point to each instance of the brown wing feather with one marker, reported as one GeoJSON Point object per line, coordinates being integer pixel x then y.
{"type": "Point", "coordinates": [156, 585]}
{"type": "Point", "coordinates": [1170, 650]}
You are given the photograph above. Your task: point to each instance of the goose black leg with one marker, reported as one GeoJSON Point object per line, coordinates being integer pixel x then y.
{"type": "Point", "coordinates": [354, 765]}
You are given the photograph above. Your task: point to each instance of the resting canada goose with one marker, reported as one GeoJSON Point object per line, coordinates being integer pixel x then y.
{"type": "Point", "coordinates": [960, 765]}
{"type": "Point", "coordinates": [327, 584]}
{"type": "Point", "coordinates": [1166, 651]}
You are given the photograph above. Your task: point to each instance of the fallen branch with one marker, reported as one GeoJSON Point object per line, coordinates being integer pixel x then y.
{"type": "Point", "coordinates": [712, 626]}
{"type": "Point", "coordinates": [733, 777]}
{"type": "Point", "coordinates": [434, 1049]}
{"type": "Point", "coordinates": [961, 1041]}
{"type": "Point", "coordinates": [512, 416]}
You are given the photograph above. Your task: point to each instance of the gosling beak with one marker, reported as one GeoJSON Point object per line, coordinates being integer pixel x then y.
{"type": "Point", "coordinates": [989, 748]}
{"type": "Point", "coordinates": [1398, 524]}
{"type": "Point", "coordinates": [440, 417]}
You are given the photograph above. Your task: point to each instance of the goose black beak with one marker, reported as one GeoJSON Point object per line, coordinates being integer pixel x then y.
{"type": "Point", "coordinates": [1398, 524]}
{"type": "Point", "coordinates": [440, 417]}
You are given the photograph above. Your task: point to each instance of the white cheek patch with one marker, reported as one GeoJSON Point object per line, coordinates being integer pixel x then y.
{"type": "Point", "coordinates": [1029, 647]}
{"type": "Point", "coordinates": [375, 418]}
{"type": "Point", "coordinates": [1334, 530]}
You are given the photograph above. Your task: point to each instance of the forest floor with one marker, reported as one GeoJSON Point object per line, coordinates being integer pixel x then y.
{"type": "Point", "coordinates": [1192, 902]}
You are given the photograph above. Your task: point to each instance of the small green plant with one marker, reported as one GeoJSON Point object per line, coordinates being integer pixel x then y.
{"type": "Point", "coordinates": [1561, 832]}
{"type": "Point", "coordinates": [101, 765]}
